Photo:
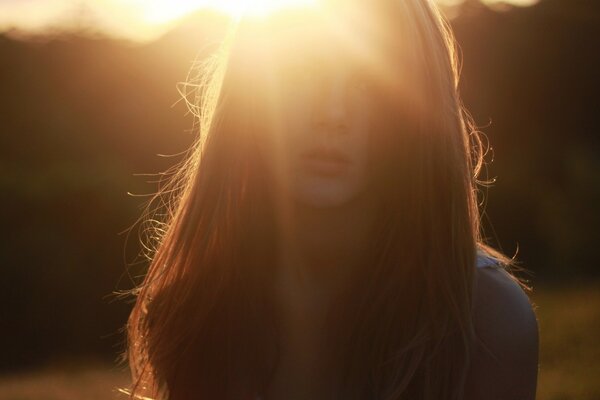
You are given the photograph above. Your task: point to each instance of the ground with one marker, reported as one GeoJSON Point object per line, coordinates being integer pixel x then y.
{"type": "Point", "coordinates": [569, 323]}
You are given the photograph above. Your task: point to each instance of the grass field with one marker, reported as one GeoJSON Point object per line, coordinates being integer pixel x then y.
{"type": "Point", "coordinates": [94, 381]}
{"type": "Point", "coordinates": [569, 319]}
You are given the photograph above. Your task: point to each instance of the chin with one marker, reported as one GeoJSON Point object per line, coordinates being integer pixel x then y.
{"type": "Point", "coordinates": [325, 196]}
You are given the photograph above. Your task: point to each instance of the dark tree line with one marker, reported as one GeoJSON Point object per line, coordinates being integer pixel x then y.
{"type": "Point", "coordinates": [79, 116]}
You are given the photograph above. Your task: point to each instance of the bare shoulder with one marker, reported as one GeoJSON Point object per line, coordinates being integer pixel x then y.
{"type": "Point", "coordinates": [504, 363]}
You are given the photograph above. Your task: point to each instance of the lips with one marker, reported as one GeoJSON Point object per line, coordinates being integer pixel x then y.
{"type": "Point", "coordinates": [325, 162]}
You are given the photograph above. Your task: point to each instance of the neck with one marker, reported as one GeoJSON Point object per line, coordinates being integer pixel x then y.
{"type": "Point", "coordinates": [320, 250]}
{"type": "Point", "coordinates": [321, 247]}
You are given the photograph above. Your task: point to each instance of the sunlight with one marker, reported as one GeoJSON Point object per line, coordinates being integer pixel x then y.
{"type": "Point", "coordinates": [143, 20]}
{"type": "Point", "coordinates": [262, 7]}
{"type": "Point", "coordinates": [164, 11]}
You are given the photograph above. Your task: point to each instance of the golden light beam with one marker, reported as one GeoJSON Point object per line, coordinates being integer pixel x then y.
{"type": "Point", "coordinates": [141, 20]}
{"type": "Point", "coordinates": [163, 11]}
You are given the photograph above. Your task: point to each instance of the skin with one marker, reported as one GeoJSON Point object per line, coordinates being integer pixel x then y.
{"type": "Point", "coordinates": [326, 106]}
{"type": "Point", "coordinates": [503, 367]}
{"type": "Point", "coordinates": [506, 323]}
{"type": "Point", "coordinates": [327, 221]}
{"type": "Point", "coordinates": [328, 217]}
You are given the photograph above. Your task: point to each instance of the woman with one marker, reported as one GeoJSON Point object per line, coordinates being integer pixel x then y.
{"type": "Point", "coordinates": [322, 240]}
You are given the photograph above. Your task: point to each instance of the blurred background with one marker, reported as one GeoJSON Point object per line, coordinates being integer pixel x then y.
{"type": "Point", "coordinates": [88, 101]}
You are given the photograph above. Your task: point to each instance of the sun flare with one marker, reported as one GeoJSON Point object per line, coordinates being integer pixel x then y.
{"type": "Point", "coordinates": [142, 20]}
{"type": "Point", "coordinates": [258, 7]}
{"type": "Point", "coordinates": [165, 11]}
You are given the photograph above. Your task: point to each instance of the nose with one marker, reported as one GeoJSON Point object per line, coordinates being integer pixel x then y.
{"type": "Point", "coordinates": [331, 106]}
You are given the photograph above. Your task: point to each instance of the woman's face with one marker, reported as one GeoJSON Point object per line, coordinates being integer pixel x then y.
{"type": "Point", "coordinates": [323, 111]}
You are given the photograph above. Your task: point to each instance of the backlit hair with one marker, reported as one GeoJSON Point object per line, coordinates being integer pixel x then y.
{"type": "Point", "coordinates": [205, 323]}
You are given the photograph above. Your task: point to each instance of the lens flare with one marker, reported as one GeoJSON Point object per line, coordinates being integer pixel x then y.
{"type": "Point", "coordinates": [164, 11]}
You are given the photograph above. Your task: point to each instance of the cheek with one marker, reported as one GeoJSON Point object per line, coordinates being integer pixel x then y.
{"type": "Point", "coordinates": [295, 134]}
{"type": "Point", "coordinates": [359, 139]}
{"type": "Point", "coordinates": [286, 141]}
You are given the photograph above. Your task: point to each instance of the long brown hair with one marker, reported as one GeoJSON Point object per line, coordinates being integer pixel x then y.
{"type": "Point", "coordinates": [205, 323]}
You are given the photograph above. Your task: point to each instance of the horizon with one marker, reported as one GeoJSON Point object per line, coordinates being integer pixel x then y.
{"type": "Point", "coordinates": [137, 20]}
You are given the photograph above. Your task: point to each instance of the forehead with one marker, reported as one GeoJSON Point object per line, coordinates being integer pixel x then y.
{"type": "Point", "coordinates": [365, 39]}
{"type": "Point", "coordinates": [324, 34]}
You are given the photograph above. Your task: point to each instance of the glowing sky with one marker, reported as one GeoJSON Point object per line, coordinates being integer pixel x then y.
{"type": "Point", "coordinates": [132, 19]}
